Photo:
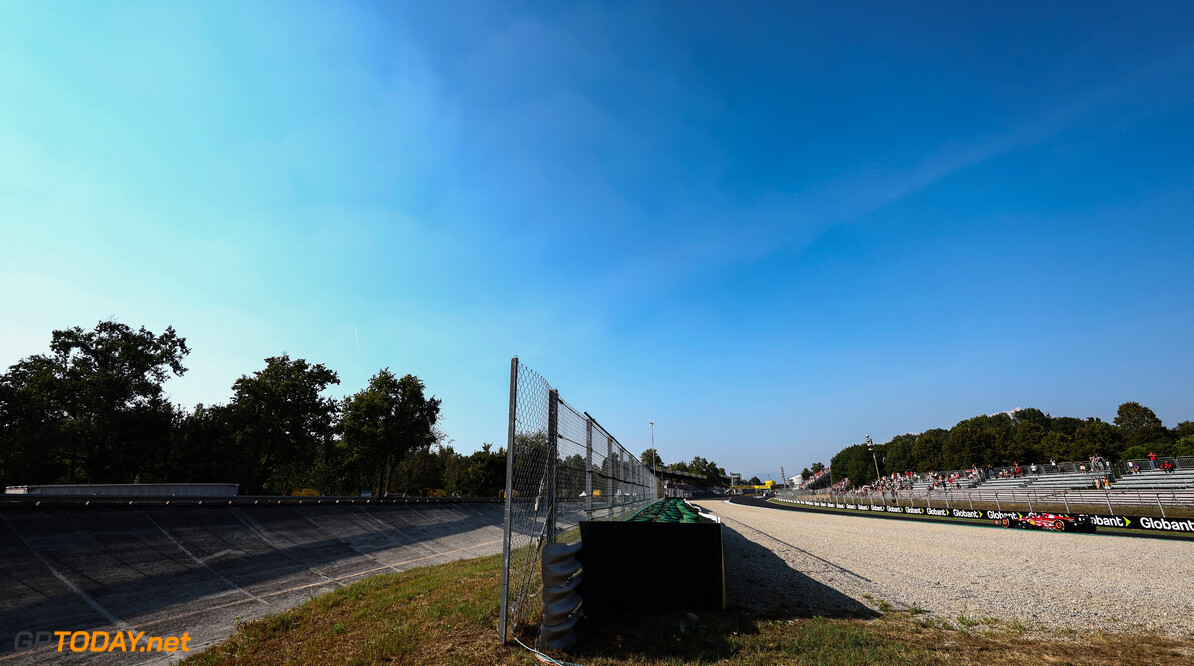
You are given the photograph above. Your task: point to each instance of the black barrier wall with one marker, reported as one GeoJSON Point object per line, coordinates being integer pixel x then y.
{"type": "Point", "coordinates": [1144, 524]}
{"type": "Point", "coordinates": [651, 567]}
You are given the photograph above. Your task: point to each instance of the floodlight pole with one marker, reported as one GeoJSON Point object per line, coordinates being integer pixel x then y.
{"type": "Point", "coordinates": [655, 454]}
{"type": "Point", "coordinates": [871, 446]}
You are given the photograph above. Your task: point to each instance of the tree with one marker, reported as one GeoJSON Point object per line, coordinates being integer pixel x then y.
{"type": "Point", "coordinates": [281, 424]}
{"type": "Point", "coordinates": [928, 449]}
{"type": "Point", "coordinates": [854, 463]}
{"type": "Point", "coordinates": [754, 481]}
{"type": "Point", "coordinates": [484, 472]}
{"type": "Point", "coordinates": [1096, 437]}
{"type": "Point", "coordinates": [1183, 430]}
{"type": "Point", "coordinates": [1032, 415]}
{"type": "Point", "coordinates": [1027, 441]}
{"type": "Point", "coordinates": [205, 449]}
{"type": "Point", "coordinates": [94, 408]}
{"type": "Point", "coordinates": [805, 474]}
{"type": "Point", "coordinates": [1139, 425]}
{"type": "Point", "coordinates": [897, 454]}
{"type": "Point", "coordinates": [651, 459]}
{"type": "Point", "coordinates": [817, 467]}
{"type": "Point", "coordinates": [387, 420]}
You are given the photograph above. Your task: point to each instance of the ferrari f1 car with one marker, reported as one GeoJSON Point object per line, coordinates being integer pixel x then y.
{"type": "Point", "coordinates": [1049, 521]}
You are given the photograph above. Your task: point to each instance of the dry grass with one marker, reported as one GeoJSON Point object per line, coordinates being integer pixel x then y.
{"type": "Point", "coordinates": [447, 614]}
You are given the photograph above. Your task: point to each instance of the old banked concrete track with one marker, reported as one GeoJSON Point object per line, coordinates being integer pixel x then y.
{"type": "Point", "coordinates": [167, 570]}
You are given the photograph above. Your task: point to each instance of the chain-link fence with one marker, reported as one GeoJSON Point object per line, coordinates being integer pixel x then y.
{"type": "Point", "coordinates": [561, 467]}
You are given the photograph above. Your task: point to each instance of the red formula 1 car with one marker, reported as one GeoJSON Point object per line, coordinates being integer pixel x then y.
{"type": "Point", "coordinates": [1049, 521]}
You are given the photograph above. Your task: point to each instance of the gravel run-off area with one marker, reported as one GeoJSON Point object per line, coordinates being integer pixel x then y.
{"type": "Point", "coordinates": [799, 563]}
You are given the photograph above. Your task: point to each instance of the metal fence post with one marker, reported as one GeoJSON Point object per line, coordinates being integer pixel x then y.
{"type": "Point", "coordinates": [1109, 504]}
{"type": "Point", "coordinates": [553, 453]}
{"type": "Point", "coordinates": [1066, 502]}
{"type": "Point", "coordinates": [503, 612]}
{"type": "Point", "coordinates": [1161, 506]}
{"type": "Point", "coordinates": [611, 496]}
{"type": "Point", "coordinates": [589, 467]}
{"type": "Point", "coordinates": [997, 507]}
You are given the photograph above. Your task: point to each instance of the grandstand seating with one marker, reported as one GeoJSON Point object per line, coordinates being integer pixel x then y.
{"type": "Point", "coordinates": [1157, 479]}
{"type": "Point", "coordinates": [1063, 481]}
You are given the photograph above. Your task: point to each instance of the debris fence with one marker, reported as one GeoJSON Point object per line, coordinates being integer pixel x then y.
{"type": "Point", "coordinates": [562, 467]}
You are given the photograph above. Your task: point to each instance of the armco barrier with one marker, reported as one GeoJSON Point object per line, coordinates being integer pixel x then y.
{"type": "Point", "coordinates": [1140, 524]}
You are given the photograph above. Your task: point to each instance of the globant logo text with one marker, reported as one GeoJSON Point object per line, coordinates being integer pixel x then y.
{"type": "Point", "coordinates": [1164, 524]}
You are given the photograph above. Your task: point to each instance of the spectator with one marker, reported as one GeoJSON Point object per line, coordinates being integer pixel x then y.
{"type": "Point", "coordinates": [1152, 457]}
{"type": "Point", "coordinates": [1053, 463]}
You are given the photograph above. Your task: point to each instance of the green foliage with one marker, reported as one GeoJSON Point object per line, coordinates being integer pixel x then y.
{"type": "Point", "coordinates": [1183, 430]}
{"type": "Point", "coordinates": [1096, 437]}
{"type": "Point", "coordinates": [281, 424]}
{"type": "Point", "coordinates": [1139, 426]}
{"type": "Point", "coordinates": [754, 481]}
{"type": "Point", "coordinates": [707, 468]}
{"type": "Point", "coordinates": [929, 449]}
{"type": "Point", "coordinates": [854, 463]}
{"type": "Point", "coordinates": [483, 474]}
{"type": "Point", "coordinates": [651, 458]}
{"type": "Point", "coordinates": [1182, 447]}
{"type": "Point", "coordinates": [896, 455]}
{"type": "Point", "coordinates": [805, 474]}
{"type": "Point", "coordinates": [93, 410]}
{"type": "Point", "coordinates": [1026, 436]}
{"type": "Point", "coordinates": [384, 422]}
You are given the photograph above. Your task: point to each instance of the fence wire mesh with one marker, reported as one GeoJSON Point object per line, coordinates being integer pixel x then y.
{"type": "Point", "coordinates": [562, 467]}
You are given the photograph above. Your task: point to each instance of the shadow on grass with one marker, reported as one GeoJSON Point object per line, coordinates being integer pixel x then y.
{"type": "Point", "coordinates": [760, 586]}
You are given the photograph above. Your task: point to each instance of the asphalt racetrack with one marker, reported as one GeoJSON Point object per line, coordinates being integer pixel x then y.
{"type": "Point", "coordinates": [169, 570]}
{"type": "Point", "coordinates": [1048, 580]}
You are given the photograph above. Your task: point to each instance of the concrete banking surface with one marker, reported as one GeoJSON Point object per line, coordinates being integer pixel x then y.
{"type": "Point", "coordinates": [166, 571]}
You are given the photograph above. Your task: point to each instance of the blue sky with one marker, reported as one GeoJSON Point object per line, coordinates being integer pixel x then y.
{"type": "Point", "coordinates": [772, 229]}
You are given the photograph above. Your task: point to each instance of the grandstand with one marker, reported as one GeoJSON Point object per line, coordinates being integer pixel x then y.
{"type": "Point", "coordinates": [1180, 478]}
{"type": "Point", "coordinates": [1059, 481]}
{"type": "Point", "coordinates": [1064, 486]}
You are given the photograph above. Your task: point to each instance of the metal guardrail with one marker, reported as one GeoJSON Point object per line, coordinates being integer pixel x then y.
{"type": "Point", "coordinates": [59, 501]}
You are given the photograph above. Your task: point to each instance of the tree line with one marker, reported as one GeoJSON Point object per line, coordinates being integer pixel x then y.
{"type": "Point", "coordinates": [1024, 436]}
{"type": "Point", "coordinates": [93, 410]}
{"type": "Point", "coordinates": [711, 472]}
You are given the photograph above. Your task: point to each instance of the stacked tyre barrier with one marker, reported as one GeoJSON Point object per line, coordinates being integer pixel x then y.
{"type": "Point", "coordinates": [670, 510]}
{"type": "Point", "coordinates": [561, 595]}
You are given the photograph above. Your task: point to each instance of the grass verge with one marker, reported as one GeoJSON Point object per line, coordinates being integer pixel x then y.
{"type": "Point", "coordinates": [447, 614]}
